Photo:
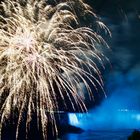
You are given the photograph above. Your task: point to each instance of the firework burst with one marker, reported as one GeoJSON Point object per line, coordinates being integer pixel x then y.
{"type": "Point", "coordinates": [44, 54]}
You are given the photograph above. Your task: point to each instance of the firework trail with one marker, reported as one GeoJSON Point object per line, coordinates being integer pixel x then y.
{"type": "Point", "coordinates": [44, 47]}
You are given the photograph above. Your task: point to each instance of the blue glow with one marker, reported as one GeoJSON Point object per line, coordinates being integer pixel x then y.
{"type": "Point", "coordinates": [124, 119]}
{"type": "Point", "coordinates": [119, 111]}
{"type": "Point", "coordinates": [73, 119]}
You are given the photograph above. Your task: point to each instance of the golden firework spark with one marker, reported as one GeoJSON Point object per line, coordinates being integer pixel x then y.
{"type": "Point", "coordinates": [42, 45]}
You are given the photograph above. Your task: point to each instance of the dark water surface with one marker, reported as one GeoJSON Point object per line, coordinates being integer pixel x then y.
{"type": "Point", "coordinates": [100, 135]}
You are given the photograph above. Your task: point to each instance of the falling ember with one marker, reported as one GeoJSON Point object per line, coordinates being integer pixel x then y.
{"type": "Point", "coordinates": [43, 55]}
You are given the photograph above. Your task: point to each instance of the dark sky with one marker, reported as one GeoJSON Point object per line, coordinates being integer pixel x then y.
{"type": "Point", "coordinates": [122, 81]}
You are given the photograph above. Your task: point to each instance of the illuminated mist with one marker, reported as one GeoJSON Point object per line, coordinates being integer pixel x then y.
{"type": "Point", "coordinates": [121, 110]}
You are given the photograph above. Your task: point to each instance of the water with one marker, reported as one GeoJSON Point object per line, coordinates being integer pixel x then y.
{"type": "Point", "coordinates": [113, 125]}
{"type": "Point", "coordinates": [106, 119]}
{"type": "Point", "coordinates": [122, 134]}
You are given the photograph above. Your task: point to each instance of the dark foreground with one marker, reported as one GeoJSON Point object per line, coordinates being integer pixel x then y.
{"type": "Point", "coordinates": [100, 135]}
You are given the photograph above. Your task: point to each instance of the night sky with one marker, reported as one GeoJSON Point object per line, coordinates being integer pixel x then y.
{"type": "Point", "coordinates": [122, 80]}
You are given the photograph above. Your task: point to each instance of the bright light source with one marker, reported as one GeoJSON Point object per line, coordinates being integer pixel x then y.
{"type": "Point", "coordinates": [73, 120]}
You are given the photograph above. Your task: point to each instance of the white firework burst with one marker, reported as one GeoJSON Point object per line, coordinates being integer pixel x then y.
{"type": "Point", "coordinates": [43, 48]}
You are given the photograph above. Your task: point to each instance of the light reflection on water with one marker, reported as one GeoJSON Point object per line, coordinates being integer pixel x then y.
{"type": "Point", "coordinates": [106, 120]}
{"type": "Point", "coordinates": [100, 135]}
{"type": "Point", "coordinates": [116, 125]}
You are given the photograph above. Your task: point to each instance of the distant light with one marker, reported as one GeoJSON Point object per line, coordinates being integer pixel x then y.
{"type": "Point", "coordinates": [73, 120]}
{"type": "Point", "coordinates": [138, 117]}
{"type": "Point", "coordinates": [123, 110]}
